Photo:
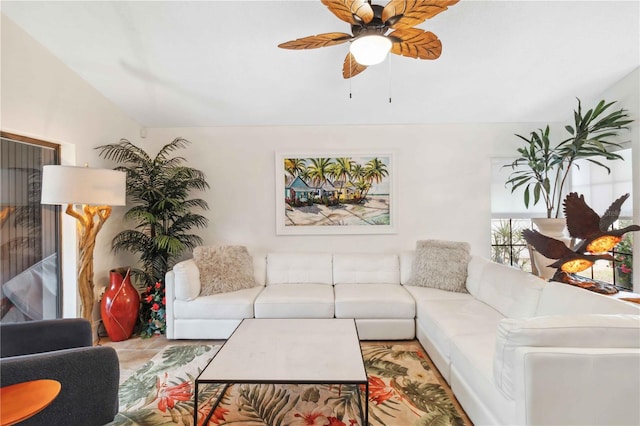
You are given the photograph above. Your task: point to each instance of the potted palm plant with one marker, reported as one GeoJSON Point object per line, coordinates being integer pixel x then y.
{"type": "Point", "coordinates": [159, 188]}
{"type": "Point", "coordinates": [542, 169]}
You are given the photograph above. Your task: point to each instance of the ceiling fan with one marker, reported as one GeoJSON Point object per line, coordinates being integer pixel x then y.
{"type": "Point", "coordinates": [370, 23]}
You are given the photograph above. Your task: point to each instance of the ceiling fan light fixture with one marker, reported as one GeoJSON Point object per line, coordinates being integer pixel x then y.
{"type": "Point", "coordinates": [370, 49]}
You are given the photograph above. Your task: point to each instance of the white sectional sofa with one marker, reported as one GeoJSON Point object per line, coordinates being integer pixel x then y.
{"type": "Point", "coordinates": [515, 349]}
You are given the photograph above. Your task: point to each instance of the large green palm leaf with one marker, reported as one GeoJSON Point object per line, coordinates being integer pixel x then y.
{"type": "Point", "coordinates": [265, 403]}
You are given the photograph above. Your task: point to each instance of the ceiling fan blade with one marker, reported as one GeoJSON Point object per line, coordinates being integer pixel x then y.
{"type": "Point", "coordinates": [416, 43]}
{"type": "Point", "coordinates": [407, 14]}
{"type": "Point", "coordinates": [346, 9]}
{"type": "Point", "coordinates": [316, 41]}
{"type": "Point", "coordinates": [351, 67]}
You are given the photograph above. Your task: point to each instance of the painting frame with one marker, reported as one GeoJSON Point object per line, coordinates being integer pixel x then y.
{"type": "Point", "coordinates": [300, 211]}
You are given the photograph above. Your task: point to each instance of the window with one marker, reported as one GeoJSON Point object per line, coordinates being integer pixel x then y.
{"type": "Point", "coordinates": [623, 263]}
{"type": "Point", "coordinates": [509, 217]}
{"type": "Point", "coordinates": [507, 245]}
{"type": "Point", "coordinates": [29, 243]}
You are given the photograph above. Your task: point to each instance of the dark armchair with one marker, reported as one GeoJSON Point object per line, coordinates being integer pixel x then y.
{"type": "Point", "coordinates": [62, 350]}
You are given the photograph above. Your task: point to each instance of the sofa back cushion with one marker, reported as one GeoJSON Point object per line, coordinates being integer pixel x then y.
{"type": "Point", "coordinates": [186, 280]}
{"type": "Point", "coordinates": [406, 265]}
{"type": "Point", "coordinates": [568, 331]}
{"type": "Point", "coordinates": [299, 268]}
{"type": "Point", "coordinates": [474, 274]}
{"type": "Point", "coordinates": [559, 298]}
{"type": "Point", "coordinates": [259, 267]}
{"type": "Point", "coordinates": [366, 269]}
{"type": "Point", "coordinates": [511, 291]}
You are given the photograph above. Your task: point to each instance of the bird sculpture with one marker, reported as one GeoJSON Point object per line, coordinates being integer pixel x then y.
{"type": "Point", "coordinates": [595, 240]}
{"type": "Point", "coordinates": [567, 260]}
{"type": "Point", "coordinates": [594, 231]}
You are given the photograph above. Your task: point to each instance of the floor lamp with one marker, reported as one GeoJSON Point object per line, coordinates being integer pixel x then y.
{"type": "Point", "coordinates": [95, 190]}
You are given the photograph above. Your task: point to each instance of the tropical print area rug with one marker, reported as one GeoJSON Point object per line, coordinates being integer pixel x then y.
{"type": "Point", "coordinates": [404, 389]}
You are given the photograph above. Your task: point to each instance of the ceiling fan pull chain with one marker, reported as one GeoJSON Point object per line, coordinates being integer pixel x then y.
{"type": "Point", "coordinates": [350, 91]}
{"type": "Point", "coordinates": [389, 84]}
{"type": "Point", "coordinates": [350, 76]}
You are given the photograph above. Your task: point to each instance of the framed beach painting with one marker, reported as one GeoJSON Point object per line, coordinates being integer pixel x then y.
{"type": "Point", "coordinates": [335, 193]}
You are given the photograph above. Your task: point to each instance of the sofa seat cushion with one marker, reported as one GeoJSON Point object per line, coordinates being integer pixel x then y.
{"type": "Point", "coordinates": [373, 301]}
{"type": "Point", "coordinates": [564, 299]}
{"type": "Point", "coordinates": [295, 301]}
{"type": "Point", "coordinates": [444, 319]}
{"type": "Point", "coordinates": [472, 373]}
{"type": "Point", "coordinates": [366, 268]}
{"type": "Point", "coordinates": [427, 293]}
{"type": "Point", "coordinates": [231, 305]}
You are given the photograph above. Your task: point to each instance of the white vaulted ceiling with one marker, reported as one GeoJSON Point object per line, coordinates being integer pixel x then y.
{"type": "Point", "coordinates": [213, 63]}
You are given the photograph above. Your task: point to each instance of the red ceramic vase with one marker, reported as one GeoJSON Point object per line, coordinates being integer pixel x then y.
{"type": "Point", "coordinates": [119, 306]}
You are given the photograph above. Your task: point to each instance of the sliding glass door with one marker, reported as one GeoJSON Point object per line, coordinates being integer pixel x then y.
{"type": "Point", "coordinates": [30, 285]}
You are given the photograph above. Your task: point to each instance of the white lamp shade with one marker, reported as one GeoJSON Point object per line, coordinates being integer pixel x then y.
{"type": "Point", "coordinates": [83, 185]}
{"type": "Point", "coordinates": [370, 49]}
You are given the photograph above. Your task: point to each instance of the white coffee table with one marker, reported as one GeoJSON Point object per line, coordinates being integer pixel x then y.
{"type": "Point", "coordinates": [289, 351]}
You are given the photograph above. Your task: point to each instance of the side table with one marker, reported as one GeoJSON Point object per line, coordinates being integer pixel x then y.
{"type": "Point", "coordinates": [20, 401]}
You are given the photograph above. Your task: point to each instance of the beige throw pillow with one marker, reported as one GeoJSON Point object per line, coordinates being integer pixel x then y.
{"type": "Point", "coordinates": [441, 265]}
{"type": "Point", "coordinates": [224, 269]}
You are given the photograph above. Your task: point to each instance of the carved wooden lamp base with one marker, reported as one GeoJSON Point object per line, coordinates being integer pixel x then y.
{"type": "Point", "coordinates": [90, 220]}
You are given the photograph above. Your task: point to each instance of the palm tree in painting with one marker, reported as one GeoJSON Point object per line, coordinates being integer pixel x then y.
{"type": "Point", "coordinates": [319, 173]}
{"type": "Point", "coordinates": [304, 174]}
{"type": "Point", "coordinates": [363, 188]}
{"type": "Point", "coordinates": [357, 176]}
{"type": "Point", "coordinates": [341, 170]}
{"type": "Point", "coordinates": [374, 171]}
{"type": "Point", "coordinates": [320, 170]}
{"type": "Point", "coordinates": [294, 166]}
{"type": "Point", "coordinates": [357, 172]}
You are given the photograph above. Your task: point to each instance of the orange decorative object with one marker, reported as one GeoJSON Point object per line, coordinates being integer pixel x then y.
{"type": "Point", "coordinates": [119, 306]}
{"type": "Point", "coordinates": [20, 401]}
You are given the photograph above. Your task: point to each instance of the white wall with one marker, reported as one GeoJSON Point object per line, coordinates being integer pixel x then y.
{"type": "Point", "coordinates": [44, 99]}
{"type": "Point", "coordinates": [442, 172]}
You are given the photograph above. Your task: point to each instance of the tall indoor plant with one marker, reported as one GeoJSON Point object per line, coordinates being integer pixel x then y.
{"type": "Point", "coordinates": [159, 188]}
{"type": "Point", "coordinates": [543, 168]}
